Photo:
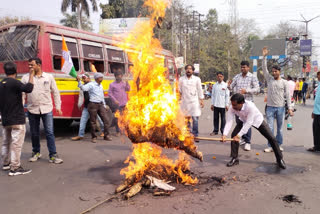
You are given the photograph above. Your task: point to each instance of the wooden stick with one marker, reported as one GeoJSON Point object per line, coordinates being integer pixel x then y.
{"type": "Point", "coordinates": [106, 200]}
{"type": "Point", "coordinates": [212, 139]}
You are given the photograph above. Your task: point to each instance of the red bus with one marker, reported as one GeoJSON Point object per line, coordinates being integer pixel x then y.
{"type": "Point", "coordinates": [23, 40]}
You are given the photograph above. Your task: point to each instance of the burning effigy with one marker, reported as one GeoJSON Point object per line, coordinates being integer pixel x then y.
{"type": "Point", "coordinates": [152, 119]}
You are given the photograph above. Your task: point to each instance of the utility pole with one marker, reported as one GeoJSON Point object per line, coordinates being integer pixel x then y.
{"type": "Point", "coordinates": [172, 28]}
{"type": "Point", "coordinates": [199, 32]}
{"type": "Point", "coordinates": [180, 29]}
{"type": "Point", "coordinates": [306, 33]}
{"type": "Point", "coordinates": [192, 37]}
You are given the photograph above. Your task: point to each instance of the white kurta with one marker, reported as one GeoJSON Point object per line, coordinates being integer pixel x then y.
{"type": "Point", "coordinates": [190, 91]}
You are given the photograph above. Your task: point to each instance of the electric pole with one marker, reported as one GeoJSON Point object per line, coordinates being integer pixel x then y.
{"type": "Point", "coordinates": [199, 34]}
{"type": "Point", "coordinates": [306, 33]}
{"type": "Point", "coordinates": [192, 36]}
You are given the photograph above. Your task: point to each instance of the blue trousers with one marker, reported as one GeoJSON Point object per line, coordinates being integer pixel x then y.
{"type": "Point", "coordinates": [34, 122]}
{"type": "Point", "coordinates": [83, 122]}
{"type": "Point", "coordinates": [195, 125]}
{"type": "Point", "coordinates": [276, 113]}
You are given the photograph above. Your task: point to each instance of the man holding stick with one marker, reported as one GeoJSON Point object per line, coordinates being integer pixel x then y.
{"type": "Point", "coordinates": [249, 115]}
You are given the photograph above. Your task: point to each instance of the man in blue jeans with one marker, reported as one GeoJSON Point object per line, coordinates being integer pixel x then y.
{"type": "Point", "coordinates": [278, 92]}
{"type": "Point", "coordinates": [84, 101]}
{"type": "Point", "coordinates": [40, 106]}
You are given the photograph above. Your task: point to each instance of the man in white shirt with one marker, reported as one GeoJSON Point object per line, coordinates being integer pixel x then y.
{"type": "Point", "coordinates": [191, 98]}
{"type": "Point", "coordinates": [249, 115]}
{"type": "Point", "coordinates": [220, 98]}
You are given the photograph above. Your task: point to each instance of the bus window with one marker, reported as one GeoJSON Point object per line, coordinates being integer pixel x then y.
{"type": "Point", "coordinates": [57, 54]}
{"type": "Point", "coordinates": [113, 67]}
{"type": "Point", "coordinates": [116, 60]}
{"type": "Point", "coordinates": [93, 55]}
{"type": "Point", "coordinates": [93, 66]}
{"type": "Point", "coordinates": [18, 43]}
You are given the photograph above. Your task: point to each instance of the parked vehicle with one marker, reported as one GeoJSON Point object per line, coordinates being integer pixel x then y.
{"type": "Point", "coordinates": [22, 41]}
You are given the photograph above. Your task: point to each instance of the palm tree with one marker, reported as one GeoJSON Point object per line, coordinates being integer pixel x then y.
{"type": "Point", "coordinates": [71, 20]}
{"type": "Point", "coordinates": [79, 6]}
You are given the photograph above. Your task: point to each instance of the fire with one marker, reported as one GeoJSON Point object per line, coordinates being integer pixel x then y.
{"type": "Point", "coordinates": [149, 159]}
{"type": "Point", "coordinates": [153, 107]}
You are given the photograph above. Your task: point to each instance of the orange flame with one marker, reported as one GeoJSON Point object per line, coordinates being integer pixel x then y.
{"type": "Point", "coordinates": [149, 158]}
{"type": "Point", "coordinates": [152, 101]}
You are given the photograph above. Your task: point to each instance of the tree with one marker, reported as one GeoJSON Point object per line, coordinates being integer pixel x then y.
{"type": "Point", "coordinates": [291, 65]}
{"type": "Point", "coordinates": [284, 29]}
{"type": "Point", "coordinates": [122, 9]}
{"type": "Point", "coordinates": [246, 49]}
{"type": "Point", "coordinates": [219, 49]}
{"type": "Point", "coordinates": [246, 29]}
{"type": "Point", "coordinates": [72, 21]}
{"type": "Point", "coordinates": [12, 19]}
{"type": "Point", "coordinates": [79, 6]}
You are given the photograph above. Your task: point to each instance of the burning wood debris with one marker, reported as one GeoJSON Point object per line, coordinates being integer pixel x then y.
{"type": "Point", "coordinates": [152, 118]}
{"type": "Point", "coordinates": [150, 168]}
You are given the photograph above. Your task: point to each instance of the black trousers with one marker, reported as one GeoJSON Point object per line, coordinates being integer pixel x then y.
{"type": "Point", "coordinates": [316, 131]}
{"type": "Point", "coordinates": [104, 114]}
{"type": "Point", "coordinates": [265, 131]}
{"type": "Point", "coordinates": [246, 137]}
{"type": "Point", "coordinates": [216, 112]}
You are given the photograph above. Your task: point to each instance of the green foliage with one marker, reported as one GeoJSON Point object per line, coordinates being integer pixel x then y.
{"type": "Point", "coordinates": [72, 21]}
{"type": "Point", "coordinates": [12, 19]}
{"type": "Point", "coordinates": [218, 50]}
{"type": "Point", "coordinates": [122, 9]}
{"type": "Point", "coordinates": [216, 41]}
{"type": "Point", "coordinates": [79, 6]}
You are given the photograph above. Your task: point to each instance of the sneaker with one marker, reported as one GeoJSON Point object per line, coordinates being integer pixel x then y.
{"type": "Point", "coordinates": [55, 159]}
{"type": "Point", "coordinates": [281, 149]}
{"type": "Point", "coordinates": [213, 133]}
{"type": "Point", "coordinates": [247, 147]}
{"type": "Point", "coordinates": [35, 157]}
{"type": "Point", "coordinates": [102, 134]}
{"type": "Point", "coordinates": [76, 138]}
{"type": "Point", "coordinates": [6, 167]}
{"type": "Point", "coordinates": [94, 140]}
{"type": "Point", "coordinates": [269, 149]}
{"type": "Point", "coordinates": [19, 171]}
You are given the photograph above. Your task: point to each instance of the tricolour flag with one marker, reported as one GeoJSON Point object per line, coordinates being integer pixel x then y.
{"type": "Point", "coordinates": [66, 61]}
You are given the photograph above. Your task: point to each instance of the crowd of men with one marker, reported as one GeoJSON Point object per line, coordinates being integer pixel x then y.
{"type": "Point", "coordinates": [38, 88]}
{"type": "Point", "coordinates": [281, 97]}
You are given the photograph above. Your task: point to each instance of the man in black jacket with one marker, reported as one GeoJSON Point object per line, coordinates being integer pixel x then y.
{"type": "Point", "coordinates": [13, 118]}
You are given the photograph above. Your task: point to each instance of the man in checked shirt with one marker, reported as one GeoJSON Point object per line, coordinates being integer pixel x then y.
{"type": "Point", "coordinates": [247, 84]}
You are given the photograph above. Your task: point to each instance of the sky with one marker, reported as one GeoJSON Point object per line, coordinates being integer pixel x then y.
{"type": "Point", "coordinates": [267, 13]}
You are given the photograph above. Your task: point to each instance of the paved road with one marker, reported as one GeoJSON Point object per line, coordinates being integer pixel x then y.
{"type": "Point", "coordinates": [90, 173]}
